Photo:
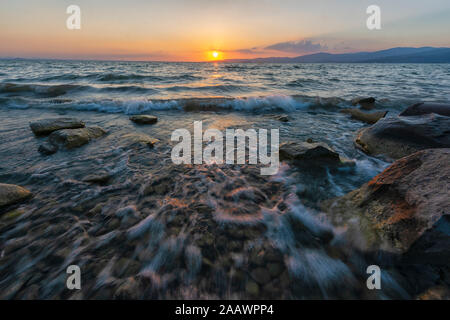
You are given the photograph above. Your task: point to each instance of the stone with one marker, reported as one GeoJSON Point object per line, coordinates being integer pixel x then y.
{"type": "Point", "coordinates": [47, 148]}
{"type": "Point", "coordinates": [144, 119]}
{"type": "Point", "coordinates": [47, 126]}
{"type": "Point", "coordinates": [252, 288]}
{"type": "Point", "coordinates": [282, 118]}
{"type": "Point", "coordinates": [422, 108]}
{"type": "Point", "coordinates": [74, 138]}
{"type": "Point", "coordinates": [260, 275]}
{"type": "Point", "coordinates": [11, 194]}
{"type": "Point", "coordinates": [402, 205]}
{"type": "Point", "coordinates": [137, 140]}
{"type": "Point", "coordinates": [100, 178]}
{"type": "Point", "coordinates": [305, 153]}
{"type": "Point", "coordinates": [275, 269]}
{"type": "Point", "coordinates": [364, 103]}
{"type": "Point", "coordinates": [401, 136]}
{"type": "Point", "coordinates": [367, 117]}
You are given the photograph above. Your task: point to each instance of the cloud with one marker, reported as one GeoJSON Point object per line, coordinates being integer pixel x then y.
{"type": "Point", "coordinates": [297, 46]}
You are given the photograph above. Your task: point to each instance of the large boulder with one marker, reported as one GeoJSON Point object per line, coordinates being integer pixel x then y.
{"type": "Point", "coordinates": [400, 136]}
{"type": "Point", "coordinates": [422, 108]}
{"type": "Point", "coordinates": [144, 119]}
{"type": "Point", "coordinates": [310, 153]}
{"type": "Point", "coordinates": [73, 138]}
{"type": "Point", "coordinates": [47, 126]}
{"type": "Point", "coordinates": [368, 117]}
{"type": "Point", "coordinates": [406, 204]}
{"type": "Point", "coordinates": [11, 194]}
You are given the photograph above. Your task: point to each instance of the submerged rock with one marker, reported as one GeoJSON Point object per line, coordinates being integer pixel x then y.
{"type": "Point", "coordinates": [422, 108]}
{"type": "Point", "coordinates": [47, 126]}
{"type": "Point", "coordinates": [144, 119]}
{"type": "Point", "coordinates": [11, 194]}
{"type": "Point", "coordinates": [364, 103]}
{"type": "Point", "coordinates": [73, 138]}
{"type": "Point", "coordinates": [48, 148]}
{"type": "Point", "coordinates": [137, 140]}
{"type": "Point", "coordinates": [365, 116]}
{"type": "Point", "coordinates": [98, 178]}
{"type": "Point", "coordinates": [310, 153]}
{"type": "Point", "coordinates": [401, 136]}
{"type": "Point", "coordinates": [402, 203]}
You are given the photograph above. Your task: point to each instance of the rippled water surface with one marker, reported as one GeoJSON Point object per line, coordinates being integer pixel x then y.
{"type": "Point", "coordinates": [160, 230]}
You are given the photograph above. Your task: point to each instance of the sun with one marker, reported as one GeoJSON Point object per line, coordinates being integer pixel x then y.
{"type": "Point", "coordinates": [215, 55]}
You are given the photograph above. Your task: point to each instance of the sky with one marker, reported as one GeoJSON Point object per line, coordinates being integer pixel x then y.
{"type": "Point", "coordinates": [191, 30]}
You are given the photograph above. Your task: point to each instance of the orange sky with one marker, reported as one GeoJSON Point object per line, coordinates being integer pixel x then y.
{"type": "Point", "coordinates": [190, 30]}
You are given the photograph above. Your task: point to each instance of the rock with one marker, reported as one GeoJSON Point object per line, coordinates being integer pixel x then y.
{"type": "Point", "coordinates": [11, 194]}
{"type": "Point", "coordinates": [100, 178]}
{"type": "Point", "coordinates": [144, 119]}
{"type": "Point", "coordinates": [365, 116]}
{"type": "Point", "coordinates": [138, 140]}
{"type": "Point", "coordinates": [401, 136]}
{"type": "Point", "coordinates": [364, 103]}
{"type": "Point", "coordinates": [399, 205]}
{"type": "Point", "coordinates": [282, 118]}
{"type": "Point", "coordinates": [260, 275]}
{"type": "Point", "coordinates": [422, 108]}
{"type": "Point", "coordinates": [275, 269]}
{"type": "Point", "coordinates": [73, 138]}
{"type": "Point", "coordinates": [435, 293]}
{"type": "Point", "coordinates": [48, 148]}
{"type": "Point", "coordinates": [128, 290]}
{"type": "Point", "coordinates": [252, 288]}
{"type": "Point", "coordinates": [305, 153]}
{"type": "Point", "coordinates": [47, 126]}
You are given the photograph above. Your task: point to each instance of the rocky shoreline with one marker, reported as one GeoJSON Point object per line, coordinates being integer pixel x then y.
{"type": "Point", "coordinates": [226, 231]}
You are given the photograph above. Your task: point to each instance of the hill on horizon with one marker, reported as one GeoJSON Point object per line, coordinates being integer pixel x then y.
{"type": "Point", "coordinates": [392, 55]}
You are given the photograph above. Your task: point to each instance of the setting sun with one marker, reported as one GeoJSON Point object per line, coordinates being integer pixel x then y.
{"type": "Point", "coordinates": [215, 55]}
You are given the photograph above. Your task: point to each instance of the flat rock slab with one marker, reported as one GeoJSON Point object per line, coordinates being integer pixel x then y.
{"type": "Point", "coordinates": [74, 138]}
{"type": "Point", "coordinates": [308, 152]}
{"type": "Point", "coordinates": [367, 117]}
{"type": "Point", "coordinates": [47, 126]}
{"type": "Point", "coordinates": [137, 140]}
{"type": "Point", "coordinates": [11, 194]}
{"type": "Point", "coordinates": [144, 119]}
{"type": "Point", "coordinates": [401, 136]}
{"type": "Point", "coordinates": [427, 108]}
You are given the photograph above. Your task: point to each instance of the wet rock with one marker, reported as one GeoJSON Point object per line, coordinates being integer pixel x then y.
{"type": "Point", "coordinates": [128, 290]}
{"type": "Point", "coordinates": [260, 275]}
{"type": "Point", "coordinates": [398, 206]}
{"type": "Point", "coordinates": [305, 153]}
{"type": "Point", "coordinates": [252, 288]}
{"type": "Point", "coordinates": [158, 186]}
{"type": "Point", "coordinates": [275, 269]}
{"type": "Point", "coordinates": [282, 118]}
{"type": "Point", "coordinates": [137, 140]}
{"type": "Point", "coordinates": [47, 148]}
{"type": "Point", "coordinates": [401, 136]}
{"type": "Point", "coordinates": [422, 108]}
{"type": "Point", "coordinates": [100, 178]}
{"type": "Point", "coordinates": [367, 117]}
{"type": "Point", "coordinates": [74, 138]}
{"type": "Point", "coordinates": [47, 126]}
{"type": "Point", "coordinates": [435, 293]}
{"type": "Point", "coordinates": [11, 194]}
{"type": "Point", "coordinates": [144, 119]}
{"type": "Point", "coordinates": [364, 103]}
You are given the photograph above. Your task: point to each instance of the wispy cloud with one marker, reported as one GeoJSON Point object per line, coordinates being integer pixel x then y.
{"type": "Point", "coordinates": [301, 46]}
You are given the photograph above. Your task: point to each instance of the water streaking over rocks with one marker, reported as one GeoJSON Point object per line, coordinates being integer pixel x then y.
{"type": "Point", "coordinates": [89, 145]}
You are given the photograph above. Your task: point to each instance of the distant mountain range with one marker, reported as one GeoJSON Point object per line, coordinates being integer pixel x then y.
{"type": "Point", "coordinates": [393, 55]}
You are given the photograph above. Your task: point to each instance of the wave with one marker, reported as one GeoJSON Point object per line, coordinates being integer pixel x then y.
{"type": "Point", "coordinates": [39, 90]}
{"type": "Point", "coordinates": [274, 103]}
{"type": "Point", "coordinates": [112, 78]}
